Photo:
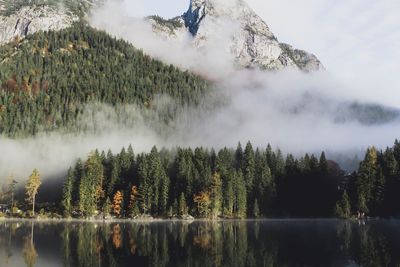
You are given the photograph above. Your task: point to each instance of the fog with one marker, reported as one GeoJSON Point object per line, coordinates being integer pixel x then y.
{"type": "Point", "coordinates": [294, 111]}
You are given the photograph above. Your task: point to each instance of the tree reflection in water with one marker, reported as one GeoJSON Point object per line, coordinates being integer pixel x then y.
{"type": "Point", "coordinates": [29, 251]}
{"type": "Point", "coordinates": [226, 243]}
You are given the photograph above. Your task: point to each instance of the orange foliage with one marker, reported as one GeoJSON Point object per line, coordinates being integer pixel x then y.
{"type": "Point", "coordinates": [117, 203]}
{"type": "Point", "coordinates": [202, 241]}
{"type": "Point", "coordinates": [116, 236]}
{"type": "Point", "coordinates": [203, 202]}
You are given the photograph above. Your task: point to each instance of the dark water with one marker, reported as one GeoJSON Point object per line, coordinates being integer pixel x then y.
{"type": "Point", "coordinates": [238, 243]}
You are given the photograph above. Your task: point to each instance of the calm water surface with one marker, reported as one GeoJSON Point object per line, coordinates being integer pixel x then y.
{"type": "Point", "coordinates": [228, 243]}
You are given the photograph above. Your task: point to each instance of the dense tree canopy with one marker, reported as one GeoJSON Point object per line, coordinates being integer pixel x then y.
{"type": "Point", "coordinates": [205, 183]}
{"type": "Point", "coordinates": [47, 78]}
{"type": "Point", "coordinates": [229, 183]}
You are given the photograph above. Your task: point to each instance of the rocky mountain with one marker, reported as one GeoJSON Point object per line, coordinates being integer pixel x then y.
{"type": "Point", "coordinates": [251, 41]}
{"type": "Point", "coordinates": [30, 19]}
{"type": "Point", "coordinates": [18, 18]}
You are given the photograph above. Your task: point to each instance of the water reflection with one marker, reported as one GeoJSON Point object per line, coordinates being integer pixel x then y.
{"type": "Point", "coordinates": [239, 243]}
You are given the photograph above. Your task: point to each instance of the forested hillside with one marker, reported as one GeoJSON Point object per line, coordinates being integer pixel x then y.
{"type": "Point", "coordinates": [47, 78]}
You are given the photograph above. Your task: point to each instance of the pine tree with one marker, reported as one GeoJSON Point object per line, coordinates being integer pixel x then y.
{"type": "Point", "coordinates": [323, 164]}
{"type": "Point", "coordinates": [239, 157]}
{"type": "Point", "coordinates": [366, 180]}
{"type": "Point", "coordinates": [91, 186]}
{"type": "Point", "coordinates": [265, 191]}
{"type": "Point", "coordinates": [159, 183]}
{"type": "Point", "coordinates": [229, 197]}
{"type": "Point", "coordinates": [32, 187]}
{"type": "Point", "coordinates": [378, 193]}
{"type": "Point", "coordinates": [67, 193]}
{"type": "Point", "coordinates": [343, 207]}
{"type": "Point", "coordinates": [12, 184]}
{"type": "Point", "coordinates": [240, 209]}
{"type": "Point", "coordinates": [133, 202]}
{"type": "Point", "coordinates": [216, 196]}
{"type": "Point", "coordinates": [248, 169]}
{"type": "Point", "coordinates": [183, 210]}
{"type": "Point", "coordinates": [145, 192]}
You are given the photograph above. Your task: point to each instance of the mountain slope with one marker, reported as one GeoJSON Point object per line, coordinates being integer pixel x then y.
{"type": "Point", "coordinates": [47, 79]}
{"type": "Point", "coordinates": [250, 40]}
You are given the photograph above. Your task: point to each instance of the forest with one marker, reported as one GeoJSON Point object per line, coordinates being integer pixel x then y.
{"type": "Point", "coordinates": [236, 183]}
{"type": "Point", "coordinates": [231, 183]}
{"type": "Point", "coordinates": [47, 79]}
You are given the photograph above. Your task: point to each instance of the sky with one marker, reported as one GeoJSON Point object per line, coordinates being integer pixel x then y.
{"type": "Point", "coordinates": [358, 41]}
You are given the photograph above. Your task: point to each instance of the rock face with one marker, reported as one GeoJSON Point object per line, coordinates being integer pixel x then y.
{"type": "Point", "coordinates": [250, 40]}
{"type": "Point", "coordinates": [31, 19]}
{"type": "Point", "coordinates": [18, 18]}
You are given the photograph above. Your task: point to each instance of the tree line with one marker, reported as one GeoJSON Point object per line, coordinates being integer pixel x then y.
{"type": "Point", "coordinates": [230, 183]}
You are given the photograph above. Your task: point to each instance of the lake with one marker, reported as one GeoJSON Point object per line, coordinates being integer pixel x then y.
{"type": "Point", "coordinates": [200, 243]}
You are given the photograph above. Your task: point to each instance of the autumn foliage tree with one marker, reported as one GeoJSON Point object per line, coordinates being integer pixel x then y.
{"type": "Point", "coordinates": [203, 202]}
{"type": "Point", "coordinates": [117, 203]}
{"type": "Point", "coordinates": [32, 187]}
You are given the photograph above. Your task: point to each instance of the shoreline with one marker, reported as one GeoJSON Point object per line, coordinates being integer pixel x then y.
{"type": "Point", "coordinates": [159, 220]}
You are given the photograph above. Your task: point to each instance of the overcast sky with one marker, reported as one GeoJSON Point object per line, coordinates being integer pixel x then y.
{"type": "Point", "coordinates": [357, 40]}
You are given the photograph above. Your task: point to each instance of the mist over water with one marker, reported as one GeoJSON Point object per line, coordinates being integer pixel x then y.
{"type": "Point", "coordinates": [294, 111]}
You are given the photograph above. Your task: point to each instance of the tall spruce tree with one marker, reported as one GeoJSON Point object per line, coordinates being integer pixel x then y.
{"type": "Point", "coordinates": [240, 206]}
{"type": "Point", "coordinates": [248, 170]}
{"type": "Point", "coordinates": [67, 200]}
{"type": "Point", "coordinates": [366, 180]}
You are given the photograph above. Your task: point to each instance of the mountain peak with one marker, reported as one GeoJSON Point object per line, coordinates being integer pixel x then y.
{"type": "Point", "coordinates": [252, 42]}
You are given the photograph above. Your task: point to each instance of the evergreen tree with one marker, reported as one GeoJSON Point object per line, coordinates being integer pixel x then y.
{"type": "Point", "coordinates": [67, 193]}
{"type": "Point", "coordinates": [343, 207]}
{"type": "Point", "coordinates": [323, 164]}
{"type": "Point", "coordinates": [249, 169]}
{"type": "Point", "coordinates": [239, 157]}
{"type": "Point", "coordinates": [90, 190]}
{"type": "Point", "coordinates": [229, 196]}
{"type": "Point", "coordinates": [12, 184]}
{"type": "Point", "coordinates": [216, 196]}
{"type": "Point", "coordinates": [183, 210]}
{"type": "Point", "coordinates": [133, 202]}
{"type": "Point", "coordinates": [145, 191]}
{"type": "Point", "coordinates": [265, 189]}
{"type": "Point", "coordinates": [240, 207]}
{"type": "Point", "coordinates": [366, 180]}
